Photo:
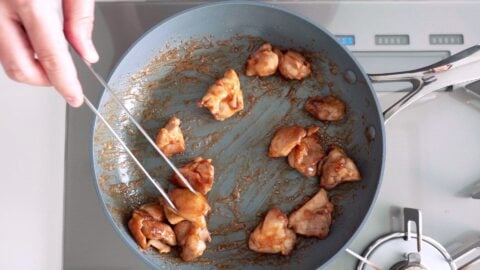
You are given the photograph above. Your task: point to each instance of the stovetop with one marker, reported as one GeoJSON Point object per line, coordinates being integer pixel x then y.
{"type": "Point", "coordinates": [433, 147]}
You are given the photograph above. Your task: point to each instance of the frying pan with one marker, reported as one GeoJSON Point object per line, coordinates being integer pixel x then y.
{"type": "Point", "coordinates": [167, 71]}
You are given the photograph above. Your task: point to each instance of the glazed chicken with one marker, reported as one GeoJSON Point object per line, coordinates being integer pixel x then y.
{"type": "Point", "coordinates": [263, 62]}
{"type": "Point", "coordinates": [328, 108]}
{"type": "Point", "coordinates": [314, 217]}
{"type": "Point", "coordinates": [170, 138]}
{"type": "Point", "coordinates": [224, 98]}
{"type": "Point", "coordinates": [148, 228]}
{"type": "Point", "coordinates": [337, 168]}
{"type": "Point", "coordinates": [199, 174]}
{"type": "Point", "coordinates": [155, 210]}
{"type": "Point", "coordinates": [272, 235]}
{"type": "Point", "coordinates": [294, 66]}
{"type": "Point", "coordinates": [192, 239]}
{"type": "Point", "coordinates": [190, 207]}
{"type": "Point", "coordinates": [306, 155]}
{"type": "Point", "coordinates": [285, 139]}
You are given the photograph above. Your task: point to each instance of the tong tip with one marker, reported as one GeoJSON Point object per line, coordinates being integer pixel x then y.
{"type": "Point", "coordinates": [186, 183]}
{"type": "Point", "coordinates": [172, 207]}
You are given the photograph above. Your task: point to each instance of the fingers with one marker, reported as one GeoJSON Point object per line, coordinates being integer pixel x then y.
{"type": "Point", "coordinates": [44, 29]}
{"type": "Point", "coordinates": [17, 55]}
{"type": "Point", "coordinates": [78, 22]}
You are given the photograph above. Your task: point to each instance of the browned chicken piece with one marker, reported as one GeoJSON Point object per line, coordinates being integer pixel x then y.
{"type": "Point", "coordinates": [328, 108]}
{"type": "Point", "coordinates": [306, 156]}
{"type": "Point", "coordinates": [182, 231]}
{"type": "Point", "coordinates": [170, 138]}
{"type": "Point", "coordinates": [192, 239]}
{"type": "Point", "coordinates": [314, 217]}
{"type": "Point", "coordinates": [172, 217]}
{"type": "Point", "coordinates": [337, 168]}
{"type": "Point", "coordinates": [135, 225]}
{"type": "Point", "coordinates": [294, 66]}
{"type": "Point", "coordinates": [272, 235]}
{"type": "Point", "coordinates": [285, 139]}
{"type": "Point", "coordinates": [153, 229]}
{"type": "Point", "coordinates": [199, 174]}
{"type": "Point", "coordinates": [155, 210]}
{"type": "Point", "coordinates": [224, 98]}
{"type": "Point", "coordinates": [160, 246]}
{"type": "Point", "coordinates": [263, 62]}
{"type": "Point", "coordinates": [149, 230]}
{"type": "Point", "coordinates": [190, 207]}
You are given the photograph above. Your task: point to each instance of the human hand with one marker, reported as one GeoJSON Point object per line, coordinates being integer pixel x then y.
{"type": "Point", "coordinates": [33, 43]}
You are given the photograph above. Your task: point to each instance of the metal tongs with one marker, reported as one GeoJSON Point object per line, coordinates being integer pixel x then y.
{"type": "Point", "coordinates": [144, 133]}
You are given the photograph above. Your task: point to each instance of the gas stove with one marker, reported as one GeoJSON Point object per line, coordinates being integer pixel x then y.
{"type": "Point", "coordinates": [408, 250]}
{"type": "Point", "coordinates": [433, 147]}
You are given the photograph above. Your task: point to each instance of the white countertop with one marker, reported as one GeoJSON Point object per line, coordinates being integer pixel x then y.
{"type": "Point", "coordinates": [32, 137]}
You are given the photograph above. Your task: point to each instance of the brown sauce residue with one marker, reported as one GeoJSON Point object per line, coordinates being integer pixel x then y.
{"type": "Point", "coordinates": [227, 246]}
{"type": "Point", "coordinates": [226, 43]}
{"type": "Point", "coordinates": [231, 227]}
{"type": "Point", "coordinates": [333, 68]}
{"type": "Point", "coordinates": [121, 189]}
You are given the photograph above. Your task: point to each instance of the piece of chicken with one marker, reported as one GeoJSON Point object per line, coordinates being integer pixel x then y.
{"type": "Point", "coordinates": [170, 138]}
{"type": "Point", "coordinates": [155, 210]}
{"type": "Point", "coordinates": [148, 229]}
{"type": "Point", "coordinates": [190, 207]}
{"type": "Point", "coordinates": [171, 216]}
{"type": "Point", "coordinates": [160, 246]}
{"type": "Point", "coordinates": [306, 155]}
{"type": "Point", "coordinates": [199, 173]}
{"type": "Point", "coordinates": [135, 225]}
{"type": "Point", "coordinates": [314, 217]}
{"type": "Point", "coordinates": [293, 65]}
{"type": "Point", "coordinates": [272, 235]}
{"type": "Point", "coordinates": [337, 168]}
{"type": "Point", "coordinates": [153, 229]}
{"type": "Point", "coordinates": [224, 98]}
{"type": "Point", "coordinates": [263, 62]}
{"type": "Point", "coordinates": [192, 239]}
{"type": "Point", "coordinates": [285, 139]}
{"type": "Point", "coordinates": [327, 108]}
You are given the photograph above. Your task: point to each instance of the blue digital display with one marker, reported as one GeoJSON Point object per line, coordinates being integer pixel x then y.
{"type": "Point", "coordinates": [346, 39]}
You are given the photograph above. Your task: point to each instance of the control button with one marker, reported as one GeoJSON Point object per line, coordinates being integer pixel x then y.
{"type": "Point", "coordinates": [450, 39]}
{"type": "Point", "coordinates": [392, 40]}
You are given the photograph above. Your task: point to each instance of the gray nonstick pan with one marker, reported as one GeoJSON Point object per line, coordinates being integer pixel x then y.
{"type": "Point", "coordinates": [168, 70]}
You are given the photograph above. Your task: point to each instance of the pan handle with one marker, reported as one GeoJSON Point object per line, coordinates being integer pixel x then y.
{"type": "Point", "coordinates": [459, 68]}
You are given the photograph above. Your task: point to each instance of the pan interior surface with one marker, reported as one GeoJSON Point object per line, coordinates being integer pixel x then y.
{"type": "Point", "coordinates": [167, 72]}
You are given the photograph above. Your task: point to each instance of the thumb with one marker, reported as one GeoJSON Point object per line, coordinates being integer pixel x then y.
{"type": "Point", "coordinates": [78, 26]}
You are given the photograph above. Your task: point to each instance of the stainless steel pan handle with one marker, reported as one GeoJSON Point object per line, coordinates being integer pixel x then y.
{"type": "Point", "coordinates": [456, 69]}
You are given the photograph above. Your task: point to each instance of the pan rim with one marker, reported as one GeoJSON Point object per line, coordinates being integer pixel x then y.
{"type": "Point", "coordinates": [126, 239]}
